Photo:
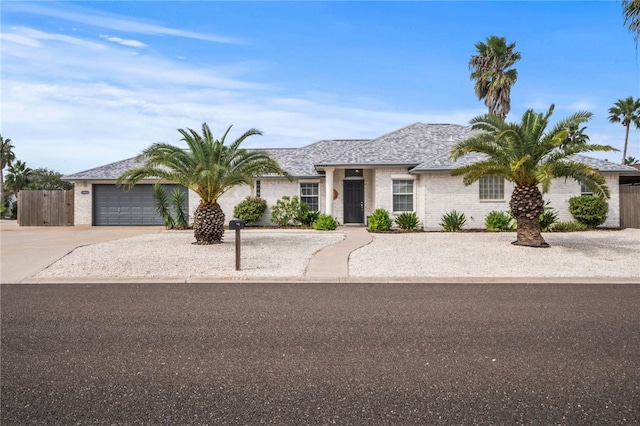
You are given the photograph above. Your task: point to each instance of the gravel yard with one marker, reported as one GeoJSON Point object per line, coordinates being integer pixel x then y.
{"type": "Point", "coordinates": [286, 253]}
{"type": "Point", "coordinates": [485, 254]}
{"type": "Point", "coordinates": [265, 253]}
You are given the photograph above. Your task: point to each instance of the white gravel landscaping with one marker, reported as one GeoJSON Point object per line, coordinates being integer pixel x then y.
{"type": "Point", "coordinates": [286, 253]}
{"type": "Point", "coordinates": [265, 253]}
{"type": "Point", "coordinates": [598, 253]}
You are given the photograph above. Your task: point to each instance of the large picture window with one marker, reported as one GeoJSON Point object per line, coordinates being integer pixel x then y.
{"type": "Point", "coordinates": [402, 195]}
{"type": "Point", "coordinates": [491, 188]}
{"type": "Point", "coordinates": [309, 194]}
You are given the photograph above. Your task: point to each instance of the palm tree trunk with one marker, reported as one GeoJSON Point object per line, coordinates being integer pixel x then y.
{"type": "Point", "coordinates": [526, 207]}
{"type": "Point", "coordinates": [208, 224]}
{"type": "Point", "coordinates": [626, 141]}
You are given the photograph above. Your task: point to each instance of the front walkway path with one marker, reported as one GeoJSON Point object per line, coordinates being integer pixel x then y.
{"type": "Point", "coordinates": [333, 261]}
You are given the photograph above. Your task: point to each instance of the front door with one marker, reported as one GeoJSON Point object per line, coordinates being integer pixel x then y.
{"type": "Point", "coordinates": [353, 191]}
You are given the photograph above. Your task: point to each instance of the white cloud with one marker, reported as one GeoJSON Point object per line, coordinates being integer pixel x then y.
{"type": "Point", "coordinates": [110, 21]}
{"type": "Point", "coordinates": [129, 43]}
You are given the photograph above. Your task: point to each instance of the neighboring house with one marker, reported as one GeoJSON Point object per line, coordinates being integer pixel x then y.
{"type": "Point", "coordinates": [406, 170]}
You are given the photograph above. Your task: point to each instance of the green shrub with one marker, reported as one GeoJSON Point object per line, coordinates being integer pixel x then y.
{"type": "Point", "coordinates": [325, 222]}
{"type": "Point", "coordinates": [250, 209]}
{"type": "Point", "coordinates": [290, 211]}
{"type": "Point", "coordinates": [588, 210]}
{"type": "Point", "coordinates": [380, 220]}
{"type": "Point", "coordinates": [548, 217]}
{"type": "Point", "coordinates": [499, 221]}
{"type": "Point", "coordinates": [568, 226]}
{"type": "Point", "coordinates": [452, 221]}
{"type": "Point", "coordinates": [407, 220]}
{"type": "Point", "coordinates": [308, 218]}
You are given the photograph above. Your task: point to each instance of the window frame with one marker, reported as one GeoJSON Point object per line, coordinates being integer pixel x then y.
{"type": "Point", "coordinates": [305, 197]}
{"type": "Point", "coordinates": [491, 188]}
{"type": "Point", "coordinates": [583, 188]}
{"type": "Point", "coordinates": [396, 204]}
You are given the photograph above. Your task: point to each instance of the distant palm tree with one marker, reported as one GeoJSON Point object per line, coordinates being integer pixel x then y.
{"type": "Point", "coordinates": [528, 155]}
{"type": "Point", "coordinates": [631, 161]}
{"type": "Point", "coordinates": [627, 112]}
{"type": "Point", "coordinates": [490, 69]}
{"type": "Point", "coordinates": [6, 158]}
{"type": "Point", "coordinates": [18, 178]}
{"type": "Point", "coordinates": [631, 13]}
{"type": "Point", "coordinates": [209, 168]}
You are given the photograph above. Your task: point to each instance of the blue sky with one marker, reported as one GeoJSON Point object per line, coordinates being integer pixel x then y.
{"type": "Point", "coordinates": [89, 83]}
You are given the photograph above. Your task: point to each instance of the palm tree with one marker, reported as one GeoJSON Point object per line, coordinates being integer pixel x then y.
{"type": "Point", "coordinates": [528, 155]}
{"type": "Point", "coordinates": [626, 111]}
{"type": "Point", "coordinates": [209, 168]}
{"type": "Point", "coordinates": [6, 158]}
{"type": "Point", "coordinates": [631, 13]}
{"type": "Point", "coordinates": [490, 69]}
{"type": "Point", "coordinates": [631, 161]}
{"type": "Point", "coordinates": [19, 177]}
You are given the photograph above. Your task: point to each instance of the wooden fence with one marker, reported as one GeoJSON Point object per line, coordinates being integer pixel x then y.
{"type": "Point", "coordinates": [630, 206]}
{"type": "Point", "coordinates": [45, 208]}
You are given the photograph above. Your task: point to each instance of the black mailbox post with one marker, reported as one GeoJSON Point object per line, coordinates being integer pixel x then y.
{"type": "Point", "coordinates": [237, 225]}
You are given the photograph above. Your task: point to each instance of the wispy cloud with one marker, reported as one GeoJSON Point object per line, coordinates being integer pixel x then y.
{"type": "Point", "coordinates": [111, 21]}
{"type": "Point", "coordinates": [129, 43]}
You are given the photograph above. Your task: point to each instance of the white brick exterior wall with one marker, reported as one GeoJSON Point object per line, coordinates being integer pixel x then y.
{"type": "Point", "coordinates": [82, 203]}
{"type": "Point", "coordinates": [443, 193]}
{"type": "Point", "coordinates": [271, 190]}
{"type": "Point", "coordinates": [435, 194]}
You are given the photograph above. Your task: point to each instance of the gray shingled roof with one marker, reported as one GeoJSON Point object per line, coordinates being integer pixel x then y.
{"type": "Point", "coordinates": [110, 171]}
{"type": "Point", "coordinates": [419, 146]}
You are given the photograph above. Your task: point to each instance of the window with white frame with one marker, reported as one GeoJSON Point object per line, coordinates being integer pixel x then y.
{"type": "Point", "coordinates": [491, 188]}
{"type": "Point", "coordinates": [584, 190]}
{"type": "Point", "coordinates": [402, 195]}
{"type": "Point", "coordinates": [309, 193]}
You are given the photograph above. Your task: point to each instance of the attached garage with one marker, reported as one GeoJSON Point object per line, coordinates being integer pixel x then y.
{"type": "Point", "coordinates": [113, 206]}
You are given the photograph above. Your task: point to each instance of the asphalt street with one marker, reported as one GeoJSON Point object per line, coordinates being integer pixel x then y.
{"type": "Point", "coordinates": [294, 354]}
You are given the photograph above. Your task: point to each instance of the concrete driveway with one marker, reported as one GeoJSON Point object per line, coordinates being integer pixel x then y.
{"type": "Point", "coordinates": [27, 250]}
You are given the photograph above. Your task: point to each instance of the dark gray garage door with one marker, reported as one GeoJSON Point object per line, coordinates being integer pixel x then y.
{"type": "Point", "coordinates": [117, 207]}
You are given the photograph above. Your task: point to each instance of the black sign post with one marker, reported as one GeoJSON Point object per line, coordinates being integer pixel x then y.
{"type": "Point", "coordinates": [237, 225]}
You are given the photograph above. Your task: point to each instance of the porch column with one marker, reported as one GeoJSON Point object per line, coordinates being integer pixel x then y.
{"type": "Point", "coordinates": [328, 186]}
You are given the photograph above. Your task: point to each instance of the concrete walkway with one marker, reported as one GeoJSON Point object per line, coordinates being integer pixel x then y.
{"type": "Point", "coordinates": [332, 262]}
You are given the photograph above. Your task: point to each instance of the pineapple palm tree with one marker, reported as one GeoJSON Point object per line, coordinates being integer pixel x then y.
{"type": "Point", "coordinates": [6, 158]}
{"type": "Point", "coordinates": [490, 69]}
{"type": "Point", "coordinates": [626, 111]}
{"type": "Point", "coordinates": [209, 168]}
{"type": "Point", "coordinates": [529, 155]}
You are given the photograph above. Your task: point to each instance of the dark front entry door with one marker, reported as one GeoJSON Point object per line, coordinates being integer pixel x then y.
{"type": "Point", "coordinates": [353, 201]}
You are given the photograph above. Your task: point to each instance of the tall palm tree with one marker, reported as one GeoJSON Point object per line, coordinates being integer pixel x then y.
{"type": "Point", "coordinates": [631, 13]}
{"type": "Point", "coordinates": [528, 155]}
{"type": "Point", "coordinates": [209, 168]}
{"type": "Point", "coordinates": [6, 158]}
{"type": "Point", "coordinates": [490, 68]}
{"type": "Point", "coordinates": [19, 177]}
{"type": "Point", "coordinates": [626, 111]}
